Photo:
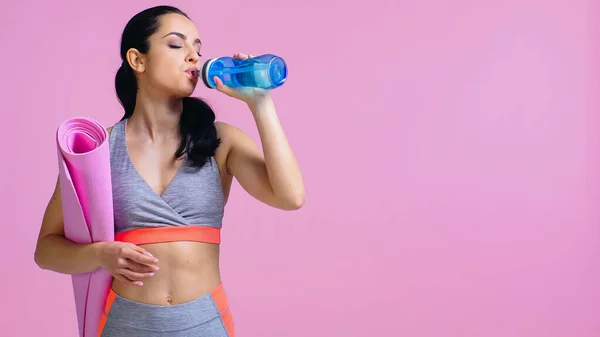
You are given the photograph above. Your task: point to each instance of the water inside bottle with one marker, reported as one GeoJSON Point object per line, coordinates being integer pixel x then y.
{"type": "Point", "coordinates": [252, 74]}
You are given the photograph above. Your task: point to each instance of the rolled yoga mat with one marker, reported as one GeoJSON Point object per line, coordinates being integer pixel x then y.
{"type": "Point", "coordinates": [86, 190]}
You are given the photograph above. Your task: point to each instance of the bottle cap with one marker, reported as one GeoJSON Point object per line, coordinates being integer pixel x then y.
{"type": "Point", "coordinates": [277, 71]}
{"type": "Point", "coordinates": [208, 81]}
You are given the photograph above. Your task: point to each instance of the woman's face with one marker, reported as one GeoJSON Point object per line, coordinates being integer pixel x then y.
{"type": "Point", "coordinates": [174, 52]}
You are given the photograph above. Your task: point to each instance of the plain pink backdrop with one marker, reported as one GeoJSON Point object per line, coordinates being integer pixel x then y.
{"type": "Point", "coordinates": [450, 151]}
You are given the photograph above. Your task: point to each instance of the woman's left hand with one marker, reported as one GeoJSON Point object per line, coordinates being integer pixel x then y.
{"type": "Point", "coordinates": [250, 95]}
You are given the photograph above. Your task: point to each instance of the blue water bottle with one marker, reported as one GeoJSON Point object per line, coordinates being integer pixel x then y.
{"type": "Point", "coordinates": [266, 72]}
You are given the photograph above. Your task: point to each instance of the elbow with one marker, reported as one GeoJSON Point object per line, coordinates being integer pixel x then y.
{"type": "Point", "coordinates": [37, 258]}
{"type": "Point", "coordinates": [296, 202]}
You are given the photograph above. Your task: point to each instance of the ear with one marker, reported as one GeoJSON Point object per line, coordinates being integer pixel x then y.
{"type": "Point", "coordinates": [136, 60]}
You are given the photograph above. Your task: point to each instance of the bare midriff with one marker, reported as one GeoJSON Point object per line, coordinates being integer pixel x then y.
{"type": "Point", "coordinates": [187, 270]}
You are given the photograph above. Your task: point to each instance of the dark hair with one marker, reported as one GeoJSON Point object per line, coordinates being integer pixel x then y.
{"type": "Point", "coordinates": [198, 133]}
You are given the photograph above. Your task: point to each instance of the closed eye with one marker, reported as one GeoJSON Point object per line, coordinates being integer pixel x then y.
{"type": "Point", "coordinates": [179, 47]}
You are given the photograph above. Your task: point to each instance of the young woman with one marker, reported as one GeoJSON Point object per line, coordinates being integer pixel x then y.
{"type": "Point", "coordinates": [172, 166]}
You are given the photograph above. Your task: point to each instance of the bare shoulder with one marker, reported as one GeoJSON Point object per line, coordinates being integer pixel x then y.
{"type": "Point", "coordinates": [226, 133]}
{"type": "Point", "coordinates": [232, 139]}
{"type": "Point", "coordinates": [225, 130]}
{"type": "Point", "coordinates": [231, 135]}
{"type": "Point", "coordinates": [222, 152]}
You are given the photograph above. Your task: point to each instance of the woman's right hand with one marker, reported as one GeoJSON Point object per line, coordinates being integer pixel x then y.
{"type": "Point", "coordinates": [127, 262]}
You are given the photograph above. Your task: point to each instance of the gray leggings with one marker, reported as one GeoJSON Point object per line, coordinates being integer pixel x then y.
{"type": "Point", "coordinates": [208, 315]}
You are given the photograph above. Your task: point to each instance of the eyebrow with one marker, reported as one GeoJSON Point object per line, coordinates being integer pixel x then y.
{"type": "Point", "coordinates": [182, 36]}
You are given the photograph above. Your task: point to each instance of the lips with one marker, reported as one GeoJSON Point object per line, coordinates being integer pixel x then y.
{"type": "Point", "coordinates": [193, 72]}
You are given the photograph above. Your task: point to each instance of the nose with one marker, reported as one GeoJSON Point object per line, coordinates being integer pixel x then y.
{"type": "Point", "coordinates": [193, 57]}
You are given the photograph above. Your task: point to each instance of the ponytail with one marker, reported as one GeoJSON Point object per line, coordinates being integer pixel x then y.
{"type": "Point", "coordinates": [199, 139]}
{"type": "Point", "coordinates": [126, 87]}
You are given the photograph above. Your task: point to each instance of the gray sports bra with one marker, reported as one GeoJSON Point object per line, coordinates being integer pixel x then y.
{"type": "Point", "coordinates": [194, 198]}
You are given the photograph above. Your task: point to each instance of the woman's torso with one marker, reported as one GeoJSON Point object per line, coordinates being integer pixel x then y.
{"type": "Point", "coordinates": [192, 197]}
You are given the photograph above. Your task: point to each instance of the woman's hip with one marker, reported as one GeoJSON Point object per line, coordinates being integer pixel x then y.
{"type": "Point", "coordinates": [207, 315]}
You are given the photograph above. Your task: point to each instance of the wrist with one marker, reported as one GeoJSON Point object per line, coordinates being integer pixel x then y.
{"type": "Point", "coordinates": [261, 105]}
{"type": "Point", "coordinates": [260, 101]}
{"type": "Point", "coordinates": [98, 249]}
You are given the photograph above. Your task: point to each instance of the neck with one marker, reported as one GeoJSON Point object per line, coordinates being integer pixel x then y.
{"type": "Point", "coordinates": [157, 119]}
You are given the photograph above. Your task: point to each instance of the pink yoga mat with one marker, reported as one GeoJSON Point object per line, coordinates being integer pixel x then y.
{"type": "Point", "coordinates": [86, 189]}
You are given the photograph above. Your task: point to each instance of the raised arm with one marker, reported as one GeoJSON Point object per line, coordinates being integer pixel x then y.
{"type": "Point", "coordinates": [271, 176]}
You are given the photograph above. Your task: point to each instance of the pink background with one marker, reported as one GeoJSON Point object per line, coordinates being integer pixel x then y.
{"type": "Point", "coordinates": [450, 150]}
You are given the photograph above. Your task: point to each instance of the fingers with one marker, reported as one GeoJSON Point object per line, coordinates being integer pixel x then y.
{"type": "Point", "coordinates": [222, 87]}
{"type": "Point", "coordinates": [134, 276]}
{"type": "Point", "coordinates": [137, 267]}
{"type": "Point", "coordinates": [126, 280]}
{"type": "Point", "coordinates": [139, 249]}
{"type": "Point", "coordinates": [134, 265]}
{"type": "Point", "coordinates": [133, 273]}
{"type": "Point", "coordinates": [138, 256]}
{"type": "Point", "coordinates": [242, 56]}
